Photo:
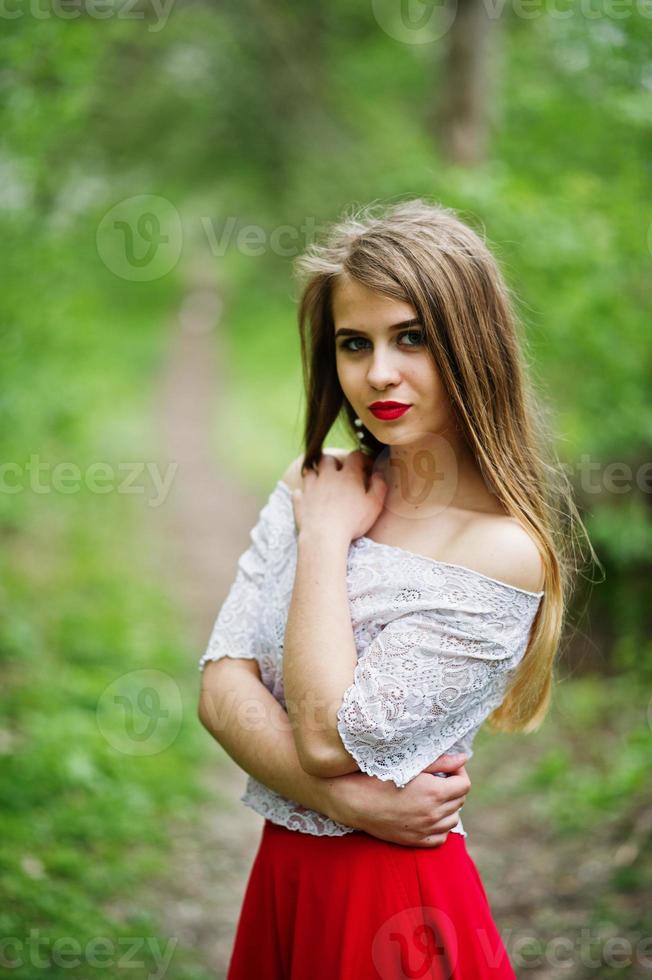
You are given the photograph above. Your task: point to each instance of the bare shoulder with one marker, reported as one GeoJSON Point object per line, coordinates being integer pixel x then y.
{"type": "Point", "coordinates": [292, 476]}
{"type": "Point", "coordinates": [505, 550]}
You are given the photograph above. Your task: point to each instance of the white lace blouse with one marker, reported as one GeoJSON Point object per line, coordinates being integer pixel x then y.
{"type": "Point", "coordinates": [437, 644]}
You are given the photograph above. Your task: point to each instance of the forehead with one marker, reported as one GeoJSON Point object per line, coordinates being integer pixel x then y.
{"type": "Point", "coordinates": [355, 305]}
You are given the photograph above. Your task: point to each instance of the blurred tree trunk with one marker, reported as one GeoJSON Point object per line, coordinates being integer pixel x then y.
{"type": "Point", "coordinates": [467, 91]}
{"type": "Point", "coordinates": [285, 53]}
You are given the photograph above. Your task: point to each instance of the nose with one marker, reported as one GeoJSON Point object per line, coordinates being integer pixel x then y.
{"type": "Point", "coordinates": [382, 369]}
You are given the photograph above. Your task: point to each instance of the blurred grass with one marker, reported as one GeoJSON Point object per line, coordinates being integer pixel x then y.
{"type": "Point", "coordinates": [83, 811]}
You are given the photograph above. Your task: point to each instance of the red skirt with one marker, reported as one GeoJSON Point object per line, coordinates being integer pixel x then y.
{"type": "Point", "coordinates": [360, 908]}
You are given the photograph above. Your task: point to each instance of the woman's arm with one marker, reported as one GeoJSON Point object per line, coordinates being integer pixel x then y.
{"type": "Point", "coordinates": [319, 655]}
{"type": "Point", "coordinates": [250, 724]}
{"type": "Point", "coordinates": [244, 717]}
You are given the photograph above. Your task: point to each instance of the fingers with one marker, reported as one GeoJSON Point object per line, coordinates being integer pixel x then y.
{"type": "Point", "coordinates": [356, 460]}
{"type": "Point", "coordinates": [452, 808]}
{"type": "Point", "coordinates": [443, 826]}
{"type": "Point", "coordinates": [327, 459]}
{"type": "Point", "coordinates": [377, 486]}
{"type": "Point", "coordinates": [434, 840]}
{"type": "Point", "coordinates": [363, 464]}
{"type": "Point", "coordinates": [454, 786]}
{"type": "Point", "coordinates": [448, 763]}
{"type": "Point", "coordinates": [359, 459]}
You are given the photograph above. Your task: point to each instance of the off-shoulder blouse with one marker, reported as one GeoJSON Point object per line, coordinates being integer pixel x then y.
{"type": "Point", "coordinates": [436, 643]}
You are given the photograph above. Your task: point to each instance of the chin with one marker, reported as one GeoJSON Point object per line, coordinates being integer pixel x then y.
{"type": "Point", "coordinates": [403, 440]}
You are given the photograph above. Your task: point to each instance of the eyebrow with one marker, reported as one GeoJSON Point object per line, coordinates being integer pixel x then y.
{"type": "Point", "coordinates": [348, 332]}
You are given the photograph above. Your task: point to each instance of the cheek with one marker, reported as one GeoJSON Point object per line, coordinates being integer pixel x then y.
{"type": "Point", "coordinates": [347, 376]}
{"type": "Point", "coordinates": [426, 377]}
{"type": "Point", "coordinates": [419, 376]}
{"type": "Point", "coordinates": [426, 387]}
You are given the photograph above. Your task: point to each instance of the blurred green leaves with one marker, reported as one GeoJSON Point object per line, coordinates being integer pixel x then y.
{"type": "Point", "coordinates": [270, 116]}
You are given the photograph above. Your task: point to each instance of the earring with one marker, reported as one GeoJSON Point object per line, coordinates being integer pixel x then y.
{"type": "Point", "coordinates": [358, 422]}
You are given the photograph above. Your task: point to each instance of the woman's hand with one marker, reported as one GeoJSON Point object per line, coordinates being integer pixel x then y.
{"type": "Point", "coordinates": [420, 814]}
{"type": "Point", "coordinates": [342, 497]}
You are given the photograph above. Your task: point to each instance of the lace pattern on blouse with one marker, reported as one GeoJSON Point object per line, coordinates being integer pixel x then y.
{"type": "Point", "coordinates": [437, 645]}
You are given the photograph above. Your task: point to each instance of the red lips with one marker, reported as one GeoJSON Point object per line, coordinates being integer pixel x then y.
{"type": "Point", "coordinates": [388, 410]}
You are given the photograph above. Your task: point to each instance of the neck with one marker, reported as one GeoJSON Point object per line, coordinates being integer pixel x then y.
{"type": "Point", "coordinates": [435, 471]}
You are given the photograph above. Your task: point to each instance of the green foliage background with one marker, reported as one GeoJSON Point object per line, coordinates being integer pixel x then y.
{"type": "Point", "coordinates": [267, 116]}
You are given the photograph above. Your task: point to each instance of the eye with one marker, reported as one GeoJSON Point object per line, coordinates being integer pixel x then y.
{"type": "Point", "coordinates": [352, 340]}
{"type": "Point", "coordinates": [418, 334]}
{"type": "Point", "coordinates": [418, 338]}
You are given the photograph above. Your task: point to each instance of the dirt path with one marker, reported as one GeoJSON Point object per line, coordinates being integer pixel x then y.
{"type": "Point", "coordinates": [208, 518]}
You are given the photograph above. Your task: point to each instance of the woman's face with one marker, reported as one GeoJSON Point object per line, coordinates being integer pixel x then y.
{"type": "Point", "coordinates": [381, 356]}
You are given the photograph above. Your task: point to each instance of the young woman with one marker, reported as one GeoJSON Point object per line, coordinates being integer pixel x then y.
{"type": "Point", "coordinates": [393, 598]}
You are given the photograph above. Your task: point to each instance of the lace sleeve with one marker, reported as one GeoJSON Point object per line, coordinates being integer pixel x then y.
{"type": "Point", "coordinates": [236, 631]}
{"type": "Point", "coordinates": [419, 687]}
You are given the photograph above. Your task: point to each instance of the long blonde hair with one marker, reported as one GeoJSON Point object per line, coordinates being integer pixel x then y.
{"type": "Point", "coordinates": [422, 253]}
